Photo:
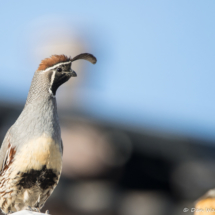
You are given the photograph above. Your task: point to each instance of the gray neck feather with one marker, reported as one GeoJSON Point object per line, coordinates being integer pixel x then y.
{"type": "Point", "coordinates": [39, 115]}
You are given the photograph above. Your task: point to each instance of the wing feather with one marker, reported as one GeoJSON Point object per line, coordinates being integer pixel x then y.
{"type": "Point", "coordinates": [7, 152]}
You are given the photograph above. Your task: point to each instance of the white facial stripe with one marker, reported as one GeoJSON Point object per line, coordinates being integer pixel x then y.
{"type": "Point", "coordinates": [53, 67]}
{"type": "Point", "coordinates": [52, 80]}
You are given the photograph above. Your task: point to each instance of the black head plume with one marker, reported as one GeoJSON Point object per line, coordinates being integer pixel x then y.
{"type": "Point", "coordinates": [85, 56]}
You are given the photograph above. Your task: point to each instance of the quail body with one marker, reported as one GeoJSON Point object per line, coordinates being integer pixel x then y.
{"type": "Point", "coordinates": [31, 152]}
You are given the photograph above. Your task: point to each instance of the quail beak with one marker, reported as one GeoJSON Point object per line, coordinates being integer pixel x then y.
{"type": "Point", "coordinates": [73, 74]}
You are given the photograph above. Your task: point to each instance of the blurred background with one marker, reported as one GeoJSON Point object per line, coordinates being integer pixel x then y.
{"type": "Point", "coordinates": [139, 126]}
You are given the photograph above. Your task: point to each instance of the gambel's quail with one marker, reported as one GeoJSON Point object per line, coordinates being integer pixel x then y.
{"type": "Point", "coordinates": [31, 153]}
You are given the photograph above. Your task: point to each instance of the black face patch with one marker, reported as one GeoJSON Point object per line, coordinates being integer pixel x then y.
{"type": "Point", "coordinates": [44, 178]}
{"type": "Point", "coordinates": [59, 79]}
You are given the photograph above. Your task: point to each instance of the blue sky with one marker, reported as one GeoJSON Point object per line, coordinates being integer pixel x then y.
{"type": "Point", "coordinates": [155, 67]}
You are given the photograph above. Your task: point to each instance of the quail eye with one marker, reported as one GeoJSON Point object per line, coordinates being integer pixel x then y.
{"type": "Point", "coordinates": [59, 69]}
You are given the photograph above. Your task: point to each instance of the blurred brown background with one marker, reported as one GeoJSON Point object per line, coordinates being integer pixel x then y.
{"type": "Point", "coordinates": [111, 169]}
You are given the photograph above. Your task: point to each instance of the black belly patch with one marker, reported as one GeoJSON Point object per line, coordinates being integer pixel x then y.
{"type": "Point", "coordinates": [43, 178]}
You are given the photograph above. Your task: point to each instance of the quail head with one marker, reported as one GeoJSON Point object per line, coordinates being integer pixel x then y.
{"type": "Point", "coordinates": [31, 153]}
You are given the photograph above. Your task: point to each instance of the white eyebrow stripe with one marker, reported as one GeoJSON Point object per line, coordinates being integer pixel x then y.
{"type": "Point", "coordinates": [56, 65]}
